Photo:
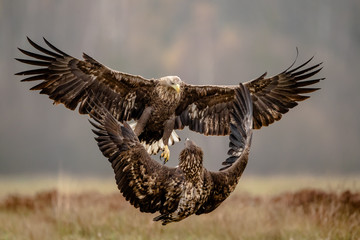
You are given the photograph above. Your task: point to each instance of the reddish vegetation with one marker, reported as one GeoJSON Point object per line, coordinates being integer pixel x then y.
{"type": "Point", "coordinates": [53, 198]}
{"type": "Point", "coordinates": [308, 199]}
{"type": "Point", "coordinates": [41, 200]}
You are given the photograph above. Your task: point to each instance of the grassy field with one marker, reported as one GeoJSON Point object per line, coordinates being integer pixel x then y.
{"type": "Point", "coordinates": [280, 207]}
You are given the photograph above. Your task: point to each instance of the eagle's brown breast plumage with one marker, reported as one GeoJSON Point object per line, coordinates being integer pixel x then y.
{"type": "Point", "coordinates": [175, 193]}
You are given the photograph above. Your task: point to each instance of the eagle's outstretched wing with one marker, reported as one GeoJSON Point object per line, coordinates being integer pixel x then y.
{"type": "Point", "coordinates": [205, 109]}
{"type": "Point", "coordinates": [274, 96]}
{"type": "Point", "coordinates": [225, 181]}
{"type": "Point", "coordinates": [76, 82]}
{"type": "Point", "coordinates": [145, 183]}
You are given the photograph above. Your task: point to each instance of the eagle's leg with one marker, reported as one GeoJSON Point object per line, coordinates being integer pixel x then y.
{"type": "Point", "coordinates": [165, 154]}
{"type": "Point", "coordinates": [169, 127]}
{"type": "Point", "coordinates": [141, 123]}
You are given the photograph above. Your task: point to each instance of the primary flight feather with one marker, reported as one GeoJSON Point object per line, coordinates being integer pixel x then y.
{"type": "Point", "coordinates": [159, 106]}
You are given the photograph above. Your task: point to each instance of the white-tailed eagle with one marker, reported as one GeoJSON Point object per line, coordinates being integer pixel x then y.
{"type": "Point", "coordinates": [175, 193]}
{"type": "Point", "coordinates": [161, 105]}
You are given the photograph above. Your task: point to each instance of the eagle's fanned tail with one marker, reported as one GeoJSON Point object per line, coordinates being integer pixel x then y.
{"type": "Point", "coordinates": [156, 146]}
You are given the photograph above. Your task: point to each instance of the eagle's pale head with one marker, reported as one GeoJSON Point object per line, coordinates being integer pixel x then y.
{"type": "Point", "coordinates": [172, 82]}
{"type": "Point", "coordinates": [191, 159]}
{"type": "Point", "coordinates": [168, 89]}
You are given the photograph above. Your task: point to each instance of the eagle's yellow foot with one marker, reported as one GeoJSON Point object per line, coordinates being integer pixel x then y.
{"type": "Point", "coordinates": [165, 154]}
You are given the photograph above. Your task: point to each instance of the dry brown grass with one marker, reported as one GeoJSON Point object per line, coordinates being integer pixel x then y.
{"type": "Point", "coordinates": [303, 214]}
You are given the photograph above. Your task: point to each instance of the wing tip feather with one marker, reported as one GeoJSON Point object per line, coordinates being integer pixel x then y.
{"type": "Point", "coordinates": [241, 126]}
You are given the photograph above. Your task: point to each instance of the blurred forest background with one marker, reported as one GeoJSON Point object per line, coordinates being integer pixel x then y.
{"type": "Point", "coordinates": [203, 42]}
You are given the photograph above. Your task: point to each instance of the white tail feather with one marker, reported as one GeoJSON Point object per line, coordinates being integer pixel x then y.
{"type": "Point", "coordinates": [155, 147]}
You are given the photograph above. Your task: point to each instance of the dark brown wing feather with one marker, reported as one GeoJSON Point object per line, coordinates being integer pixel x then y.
{"type": "Point", "coordinates": [205, 109]}
{"type": "Point", "coordinates": [145, 183]}
{"type": "Point", "coordinates": [76, 82]}
{"type": "Point", "coordinates": [274, 96]}
{"type": "Point", "coordinates": [225, 181]}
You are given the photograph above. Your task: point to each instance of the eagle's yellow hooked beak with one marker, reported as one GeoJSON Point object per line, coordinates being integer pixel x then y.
{"type": "Point", "coordinates": [176, 87]}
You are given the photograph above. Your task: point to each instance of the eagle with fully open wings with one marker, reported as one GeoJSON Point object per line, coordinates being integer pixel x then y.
{"type": "Point", "coordinates": [159, 106]}
{"type": "Point", "coordinates": [175, 192]}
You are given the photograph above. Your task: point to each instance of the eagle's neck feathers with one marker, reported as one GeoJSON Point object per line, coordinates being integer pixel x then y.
{"type": "Point", "coordinates": [191, 163]}
{"type": "Point", "coordinates": [167, 95]}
